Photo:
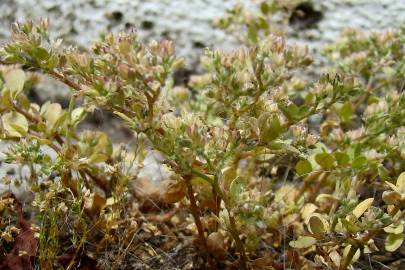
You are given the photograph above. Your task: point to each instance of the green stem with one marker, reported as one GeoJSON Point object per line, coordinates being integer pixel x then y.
{"type": "Point", "coordinates": [232, 223]}
{"type": "Point", "coordinates": [69, 125]}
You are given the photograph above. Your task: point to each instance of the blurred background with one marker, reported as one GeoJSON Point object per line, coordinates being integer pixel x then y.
{"type": "Point", "coordinates": [188, 22]}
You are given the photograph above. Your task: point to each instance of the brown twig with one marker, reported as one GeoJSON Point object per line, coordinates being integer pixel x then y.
{"type": "Point", "coordinates": [196, 215]}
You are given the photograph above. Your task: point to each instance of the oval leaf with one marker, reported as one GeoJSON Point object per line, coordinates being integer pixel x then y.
{"type": "Point", "coordinates": [15, 124]}
{"type": "Point", "coordinates": [14, 80]}
{"type": "Point", "coordinates": [325, 160]}
{"type": "Point", "coordinates": [362, 207]}
{"type": "Point", "coordinates": [78, 115]}
{"type": "Point", "coordinates": [236, 188]}
{"type": "Point", "coordinates": [393, 241]}
{"type": "Point", "coordinates": [317, 225]}
{"type": "Point", "coordinates": [303, 242]}
{"type": "Point", "coordinates": [303, 167]}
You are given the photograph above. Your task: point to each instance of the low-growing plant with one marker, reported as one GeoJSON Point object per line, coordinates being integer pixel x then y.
{"type": "Point", "coordinates": [265, 186]}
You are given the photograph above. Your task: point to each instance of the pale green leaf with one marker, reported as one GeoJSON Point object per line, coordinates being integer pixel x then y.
{"type": "Point", "coordinates": [401, 182]}
{"type": "Point", "coordinates": [362, 207]}
{"type": "Point", "coordinates": [303, 242]}
{"type": "Point", "coordinates": [356, 255]}
{"type": "Point", "coordinates": [394, 228]}
{"type": "Point", "coordinates": [14, 80]}
{"type": "Point", "coordinates": [393, 241]}
{"type": "Point", "coordinates": [236, 188]}
{"type": "Point", "coordinates": [15, 124]}
{"type": "Point", "coordinates": [78, 115]}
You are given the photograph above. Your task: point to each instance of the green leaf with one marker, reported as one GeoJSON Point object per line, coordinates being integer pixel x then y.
{"type": "Point", "coordinates": [14, 80]}
{"type": "Point", "coordinates": [95, 146]}
{"type": "Point", "coordinates": [395, 228]}
{"type": "Point", "coordinates": [382, 172]}
{"type": "Point", "coordinates": [346, 111]}
{"type": "Point", "coordinates": [350, 226]}
{"type": "Point", "coordinates": [325, 160]}
{"type": "Point", "coordinates": [263, 24]}
{"type": "Point", "coordinates": [317, 225]}
{"type": "Point", "coordinates": [78, 115]}
{"type": "Point", "coordinates": [41, 54]}
{"type": "Point", "coordinates": [5, 100]}
{"type": "Point", "coordinates": [362, 207]}
{"type": "Point", "coordinates": [53, 114]}
{"type": "Point", "coordinates": [303, 167]}
{"type": "Point", "coordinates": [123, 116]}
{"type": "Point", "coordinates": [359, 162]}
{"type": "Point", "coordinates": [270, 127]}
{"type": "Point", "coordinates": [252, 34]}
{"type": "Point", "coordinates": [103, 149]}
{"type": "Point", "coordinates": [292, 112]}
{"type": "Point", "coordinates": [236, 188]}
{"type": "Point", "coordinates": [15, 124]}
{"type": "Point", "coordinates": [265, 8]}
{"type": "Point", "coordinates": [393, 241]}
{"type": "Point", "coordinates": [303, 242]}
{"type": "Point", "coordinates": [342, 158]}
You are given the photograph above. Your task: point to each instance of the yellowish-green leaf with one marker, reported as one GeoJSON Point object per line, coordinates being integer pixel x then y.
{"type": "Point", "coordinates": [95, 146]}
{"type": "Point", "coordinates": [395, 228]}
{"type": "Point", "coordinates": [325, 160]}
{"type": "Point", "coordinates": [362, 207]}
{"type": "Point", "coordinates": [303, 167]}
{"type": "Point", "coordinates": [303, 242]}
{"type": "Point", "coordinates": [123, 116]}
{"type": "Point", "coordinates": [52, 113]}
{"type": "Point", "coordinates": [14, 80]}
{"type": "Point", "coordinates": [393, 241]}
{"type": "Point", "coordinates": [356, 255]}
{"type": "Point", "coordinates": [78, 115]}
{"type": "Point", "coordinates": [401, 182]}
{"type": "Point", "coordinates": [236, 188]}
{"type": "Point", "coordinates": [103, 149]}
{"type": "Point", "coordinates": [350, 224]}
{"type": "Point", "coordinates": [5, 100]}
{"type": "Point", "coordinates": [98, 157]}
{"type": "Point", "coordinates": [15, 124]}
{"type": "Point", "coordinates": [342, 158]}
{"type": "Point", "coordinates": [317, 225]}
{"type": "Point", "coordinates": [346, 111]}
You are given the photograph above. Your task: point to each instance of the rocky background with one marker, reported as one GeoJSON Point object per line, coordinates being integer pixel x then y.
{"type": "Point", "coordinates": [187, 22]}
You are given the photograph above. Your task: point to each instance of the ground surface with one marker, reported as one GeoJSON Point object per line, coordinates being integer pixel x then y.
{"type": "Point", "coordinates": [187, 22]}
